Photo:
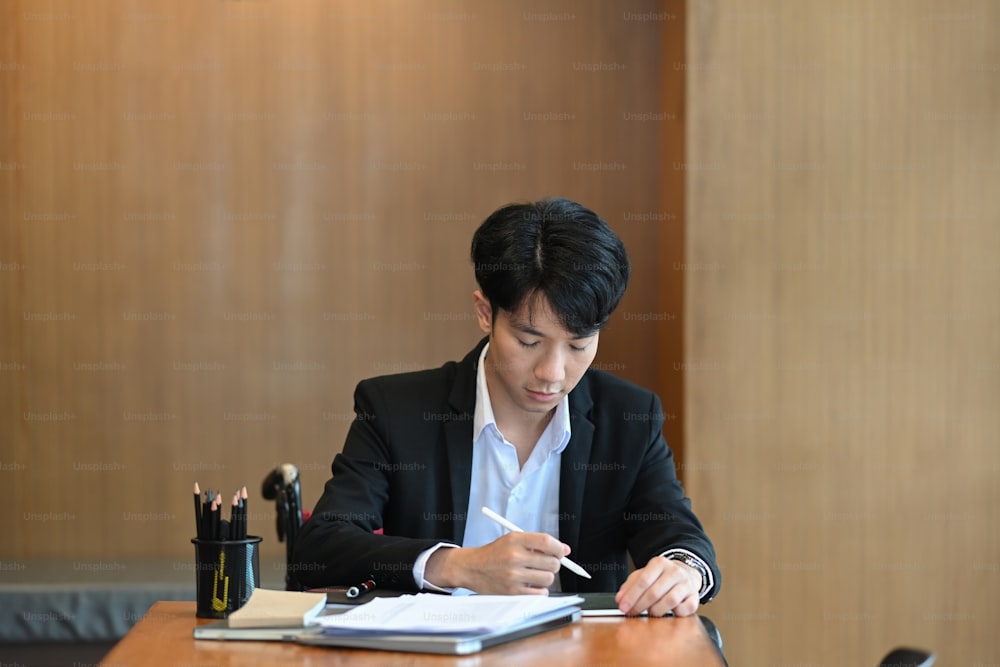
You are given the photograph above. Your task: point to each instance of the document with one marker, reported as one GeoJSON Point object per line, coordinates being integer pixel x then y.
{"type": "Point", "coordinates": [601, 604]}
{"type": "Point", "coordinates": [429, 613]}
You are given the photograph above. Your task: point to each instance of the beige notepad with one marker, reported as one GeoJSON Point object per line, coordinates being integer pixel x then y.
{"type": "Point", "coordinates": [278, 609]}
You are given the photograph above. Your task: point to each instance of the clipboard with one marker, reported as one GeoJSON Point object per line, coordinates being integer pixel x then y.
{"type": "Point", "coordinates": [445, 644]}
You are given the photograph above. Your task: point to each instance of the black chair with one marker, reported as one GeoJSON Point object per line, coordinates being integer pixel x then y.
{"type": "Point", "coordinates": [283, 487]}
{"type": "Point", "coordinates": [713, 634]}
{"type": "Point", "coordinates": [907, 657]}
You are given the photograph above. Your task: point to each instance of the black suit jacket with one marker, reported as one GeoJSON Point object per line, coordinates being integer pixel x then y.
{"type": "Point", "coordinates": [407, 463]}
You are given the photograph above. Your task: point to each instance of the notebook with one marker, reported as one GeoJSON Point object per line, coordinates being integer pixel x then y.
{"type": "Point", "coordinates": [278, 609]}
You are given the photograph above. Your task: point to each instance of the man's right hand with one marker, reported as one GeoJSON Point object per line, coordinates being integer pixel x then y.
{"type": "Point", "coordinates": [515, 564]}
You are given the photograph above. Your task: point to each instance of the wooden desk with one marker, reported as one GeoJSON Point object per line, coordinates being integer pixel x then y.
{"type": "Point", "coordinates": [164, 637]}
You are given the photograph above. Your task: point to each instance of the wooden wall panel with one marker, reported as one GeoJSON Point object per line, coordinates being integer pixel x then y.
{"type": "Point", "coordinates": [843, 355]}
{"type": "Point", "coordinates": [219, 216]}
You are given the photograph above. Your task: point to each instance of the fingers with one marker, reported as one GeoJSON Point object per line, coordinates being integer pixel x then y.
{"type": "Point", "coordinates": [539, 542]}
{"type": "Point", "coordinates": [687, 607]}
{"type": "Point", "coordinates": [525, 582]}
{"type": "Point", "coordinates": [663, 586]}
{"type": "Point", "coordinates": [517, 563]}
{"type": "Point", "coordinates": [532, 557]}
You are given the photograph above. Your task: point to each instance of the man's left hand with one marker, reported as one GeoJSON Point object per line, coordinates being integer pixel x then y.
{"type": "Point", "coordinates": [661, 587]}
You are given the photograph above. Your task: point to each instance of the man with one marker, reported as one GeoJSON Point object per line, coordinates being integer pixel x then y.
{"type": "Point", "coordinates": [522, 425]}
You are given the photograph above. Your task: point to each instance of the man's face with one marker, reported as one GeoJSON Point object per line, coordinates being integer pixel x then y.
{"type": "Point", "coordinates": [533, 360]}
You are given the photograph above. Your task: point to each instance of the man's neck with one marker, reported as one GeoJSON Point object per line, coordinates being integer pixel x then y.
{"type": "Point", "coordinates": [520, 427]}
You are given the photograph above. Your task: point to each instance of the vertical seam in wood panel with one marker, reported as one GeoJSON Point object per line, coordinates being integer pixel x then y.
{"type": "Point", "coordinates": [673, 95]}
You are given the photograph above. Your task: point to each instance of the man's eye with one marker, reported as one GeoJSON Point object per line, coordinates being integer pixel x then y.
{"type": "Point", "coordinates": [523, 344]}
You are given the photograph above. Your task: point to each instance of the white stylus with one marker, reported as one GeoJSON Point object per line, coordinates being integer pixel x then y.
{"type": "Point", "coordinates": [566, 562]}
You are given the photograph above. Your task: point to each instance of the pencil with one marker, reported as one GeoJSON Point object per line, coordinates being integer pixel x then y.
{"type": "Point", "coordinates": [206, 516]}
{"type": "Point", "coordinates": [197, 510]}
{"type": "Point", "coordinates": [244, 503]}
{"type": "Point", "coordinates": [216, 511]}
{"type": "Point", "coordinates": [235, 519]}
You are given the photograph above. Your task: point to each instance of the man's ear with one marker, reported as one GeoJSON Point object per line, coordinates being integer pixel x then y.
{"type": "Point", "coordinates": [484, 311]}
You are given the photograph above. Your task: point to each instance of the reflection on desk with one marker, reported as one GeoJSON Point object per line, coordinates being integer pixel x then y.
{"type": "Point", "coordinates": [164, 637]}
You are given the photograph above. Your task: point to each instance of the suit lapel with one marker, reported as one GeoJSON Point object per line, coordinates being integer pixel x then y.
{"type": "Point", "coordinates": [458, 438]}
{"type": "Point", "coordinates": [458, 442]}
{"type": "Point", "coordinates": [573, 472]}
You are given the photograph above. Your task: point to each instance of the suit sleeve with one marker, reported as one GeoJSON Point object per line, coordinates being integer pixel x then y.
{"type": "Point", "coordinates": [659, 516]}
{"type": "Point", "coordinates": [338, 545]}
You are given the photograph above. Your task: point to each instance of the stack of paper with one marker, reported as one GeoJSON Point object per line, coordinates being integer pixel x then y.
{"type": "Point", "coordinates": [278, 609]}
{"type": "Point", "coordinates": [429, 613]}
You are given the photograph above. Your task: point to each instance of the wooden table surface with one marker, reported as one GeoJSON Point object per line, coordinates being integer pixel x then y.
{"type": "Point", "coordinates": [164, 637]}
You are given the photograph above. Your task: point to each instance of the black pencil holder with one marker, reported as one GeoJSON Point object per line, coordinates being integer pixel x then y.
{"type": "Point", "coordinates": [226, 573]}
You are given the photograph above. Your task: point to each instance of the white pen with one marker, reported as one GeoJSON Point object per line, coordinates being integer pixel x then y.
{"type": "Point", "coordinates": [565, 562]}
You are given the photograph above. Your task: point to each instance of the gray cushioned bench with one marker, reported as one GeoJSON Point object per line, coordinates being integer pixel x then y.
{"type": "Point", "coordinates": [93, 601]}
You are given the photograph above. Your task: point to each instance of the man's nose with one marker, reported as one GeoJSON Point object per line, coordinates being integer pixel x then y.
{"type": "Point", "coordinates": [551, 369]}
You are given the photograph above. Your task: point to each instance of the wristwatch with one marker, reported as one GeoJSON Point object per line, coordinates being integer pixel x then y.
{"type": "Point", "coordinates": [696, 563]}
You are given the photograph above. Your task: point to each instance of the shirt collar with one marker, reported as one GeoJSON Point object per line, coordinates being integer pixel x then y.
{"type": "Point", "coordinates": [557, 433]}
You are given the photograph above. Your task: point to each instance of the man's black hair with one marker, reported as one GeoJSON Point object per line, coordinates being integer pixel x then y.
{"type": "Point", "coordinates": [556, 248]}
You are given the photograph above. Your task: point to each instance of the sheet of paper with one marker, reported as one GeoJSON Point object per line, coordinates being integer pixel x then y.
{"type": "Point", "coordinates": [445, 614]}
